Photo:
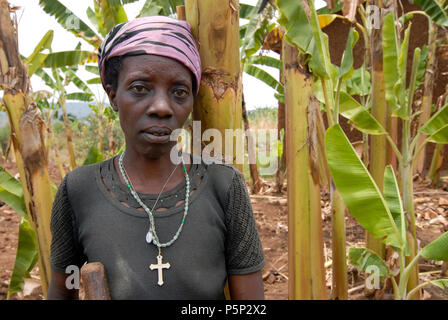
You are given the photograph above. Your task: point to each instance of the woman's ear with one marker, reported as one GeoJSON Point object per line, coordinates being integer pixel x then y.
{"type": "Point", "coordinates": [111, 94]}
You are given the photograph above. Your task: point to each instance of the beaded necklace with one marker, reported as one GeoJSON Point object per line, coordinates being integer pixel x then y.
{"type": "Point", "coordinates": [152, 234]}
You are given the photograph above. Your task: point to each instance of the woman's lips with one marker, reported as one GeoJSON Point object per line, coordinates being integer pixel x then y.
{"type": "Point", "coordinates": [157, 134]}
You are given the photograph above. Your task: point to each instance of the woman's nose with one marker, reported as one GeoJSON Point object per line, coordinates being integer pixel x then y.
{"type": "Point", "coordinates": [160, 106]}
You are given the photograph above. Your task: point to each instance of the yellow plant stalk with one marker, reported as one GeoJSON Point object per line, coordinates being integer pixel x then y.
{"type": "Point", "coordinates": [305, 244]}
{"type": "Point", "coordinates": [27, 131]}
{"type": "Point", "coordinates": [216, 29]}
{"type": "Point", "coordinates": [378, 144]}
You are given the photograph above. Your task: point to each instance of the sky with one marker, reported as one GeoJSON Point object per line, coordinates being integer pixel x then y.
{"type": "Point", "coordinates": [34, 23]}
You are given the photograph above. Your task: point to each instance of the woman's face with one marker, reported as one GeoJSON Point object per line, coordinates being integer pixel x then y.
{"type": "Point", "coordinates": [154, 96]}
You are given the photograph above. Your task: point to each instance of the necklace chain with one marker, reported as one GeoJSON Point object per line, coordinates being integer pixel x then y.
{"type": "Point", "coordinates": [152, 225]}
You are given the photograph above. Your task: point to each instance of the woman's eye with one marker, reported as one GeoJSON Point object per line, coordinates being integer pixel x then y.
{"type": "Point", "coordinates": [139, 89]}
{"type": "Point", "coordinates": [181, 93]}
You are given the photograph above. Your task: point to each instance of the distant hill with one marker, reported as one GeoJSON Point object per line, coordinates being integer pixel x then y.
{"type": "Point", "coordinates": [77, 109]}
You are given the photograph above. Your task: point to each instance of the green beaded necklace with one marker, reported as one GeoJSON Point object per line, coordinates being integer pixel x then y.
{"type": "Point", "coordinates": [151, 236]}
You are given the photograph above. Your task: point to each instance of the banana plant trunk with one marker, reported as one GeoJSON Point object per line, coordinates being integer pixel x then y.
{"type": "Point", "coordinates": [427, 94]}
{"type": "Point", "coordinates": [436, 164]}
{"type": "Point", "coordinates": [219, 102]}
{"type": "Point", "coordinates": [257, 184]}
{"type": "Point", "coordinates": [305, 242]}
{"type": "Point", "coordinates": [68, 133]}
{"type": "Point", "coordinates": [378, 144]}
{"type": "Point", "coordinates": [27, 131]}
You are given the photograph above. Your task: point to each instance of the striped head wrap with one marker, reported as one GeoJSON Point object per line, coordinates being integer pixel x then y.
{"type": "Point", "coordinates": [156, 35]}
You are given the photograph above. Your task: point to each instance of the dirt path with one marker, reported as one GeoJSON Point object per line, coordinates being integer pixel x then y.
{"type": "Point", "coordinates": [271, 214]}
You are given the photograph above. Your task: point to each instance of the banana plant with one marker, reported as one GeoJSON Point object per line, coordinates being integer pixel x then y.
{"type": "Point", "coordinates": [60, 78]}
{"type": "Point", "coordinates": [381, 213]}
{"type": "Point", "coordinates": [11, 193]}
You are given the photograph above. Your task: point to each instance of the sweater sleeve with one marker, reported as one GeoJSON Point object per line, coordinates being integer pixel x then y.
{"type": "Point", "coordinates": [244, 253]}
{"type": "Point", "coordinates": [65, 249]}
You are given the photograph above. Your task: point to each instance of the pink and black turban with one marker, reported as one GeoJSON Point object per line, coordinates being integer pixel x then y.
{"type": "Point", "coordinates": [156, 35]}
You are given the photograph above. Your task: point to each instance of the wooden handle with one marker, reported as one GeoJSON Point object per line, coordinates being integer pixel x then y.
{"type": "Point", "coordinates": [94, 281]}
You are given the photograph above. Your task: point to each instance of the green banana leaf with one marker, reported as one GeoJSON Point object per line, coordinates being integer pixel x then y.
{"type": "Point", "coordinates": [69, 21]}
{"type": "Point", "coordinates": [34, 61]}
{"type": "Point", "coordinates": [363, 258]}
{"type": "Point", "coordinates": [26, 257]}
{"type": "Point", "coordinates": [160, 7]}
{"type": "Point", "coordinates": [390, 59]}
{"type": "Point", "coordinates": [435, 127]}
{"type": "Point", "coordinates": [46, 78]}
{"type": "Point", "coordinates": [265, 61]}
{"type": "Point", "coordinates": [391, 193]}
{"type": "Point", "coordinates": [346, 69]}
{"type": "Point", "coordinates": [93, 156]}
{"type": "Point", "coordinates": [361, 118]}
{"type": "Point", "coordinates": [79, 96]}
{"type": "Point", "coordinates": [247, 10]}
{"type": "Point", "coordinates": [93, 69]}
{"type": "Point", "coordinates": [65, 58]}
{"type": "Point", "coordinates": [358, 189]}
{"type": "Point", "coordinates": [253, 34]}
{"type": "Point", "coordinates": [320, 62]}
{"type": "Point", "coordinates": [438, 249]}
{"type": "Point", "coordinates": [400, 85]}
{"type": "Point", "coordinates": [94, 81]}
{"type": "Point", "coordinates": [441, 283]}
{"type": "Point", "coordinates": [11, 192]}
{"type": "Point", "coordinates": [295, 22]}
{"type": "Point", "coordinates": [440, 136]}
{"type": "Point", "coordinates": [112, 13]}
{"type": "Point", "coordinates": [262, 75]}
{"type": "Point", "coordinates": [437, 12]}
{"type": "Point", "coordinates": [355, 86]}
{"type": "Point", "coordinates": [77, 81]}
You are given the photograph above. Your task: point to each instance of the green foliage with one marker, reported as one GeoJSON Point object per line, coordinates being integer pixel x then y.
{"type": "Point", "coordinates": [382, 215]}
{"type": "Point", "coordinates": [363, 259]}
{"type": "Point", "coordinates": [93, 156]}
{"type": "Point", "coordinates": [11, 193]}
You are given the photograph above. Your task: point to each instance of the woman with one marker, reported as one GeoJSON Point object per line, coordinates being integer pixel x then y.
{"type": "Point", "coordinates": [162, 231]}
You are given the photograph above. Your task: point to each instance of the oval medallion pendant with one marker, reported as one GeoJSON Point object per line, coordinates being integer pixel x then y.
{"type": "Point", "coordinates": [149, 237]}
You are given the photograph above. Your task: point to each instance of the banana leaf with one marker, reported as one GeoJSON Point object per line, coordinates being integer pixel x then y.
{"type": "Point", "coordinates": [112, 13]}
{"type": "Point", "coordinates": [295, 21]}
{"type": "Point", "coordinates": [26, 257]}
{"type": "Point", "coordinates": [436, 126]}
{"type": "Point", "coordinates": [77, 81]}
{"type": "Point", "coordinates": [363, 259]}
{"type": "Point", "coordinates": [438, 249]}
{"type": "Point", "coordinates": [93, 156]}
{"type": "Point", "coordinates": [247, 10]}
{"type": "Point", "coordinates": [79, 96]}
{"type": "Point", "coordinates": [358, 189]}
{"type": "Point", "coordinates": [69, 21]}
{"type": "Point", "coordinates": [34, 61]}
{"type": "Point", "coordinates": [437, 12]}
{"type": "Point", "coordinates": [65, 58]}
{"type": "Point", "coordinates": [346, 69]}
{"type": "Point", "coordinates": [93, 69]}
{"type": "Point", "coordinates": [253, 34]}
{"type": "Point", "coordinates": [390, 59]}
{"type": "Point", "coordinates": [265, 61]}
{"type": "Point", "coordinates": [262, 75]}
{"type": "Point", "coordinates": [400, 85]}
{"type": "Point", "coordinates": [361, 118]}
{"type": "Point", "coordinates": [391, 193]}
{"type": "Point", "coordinates": [11, 192]}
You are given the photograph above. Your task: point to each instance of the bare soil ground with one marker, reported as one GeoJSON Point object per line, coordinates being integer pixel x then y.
{"type": "Point", "coordinates": [271, 213]}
